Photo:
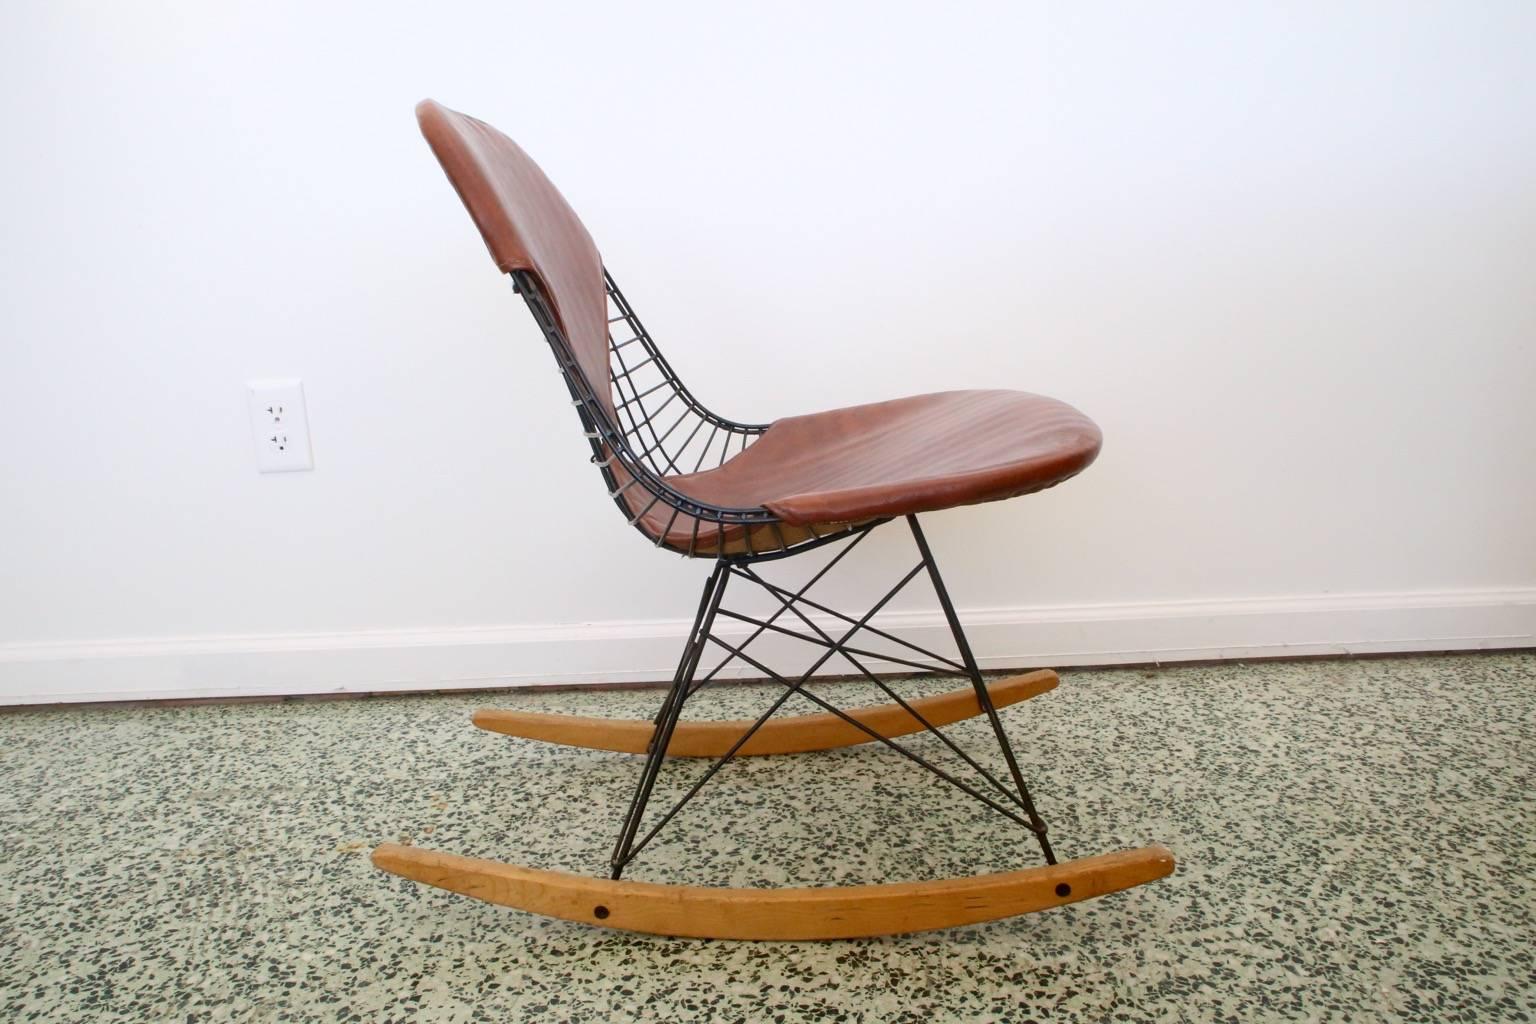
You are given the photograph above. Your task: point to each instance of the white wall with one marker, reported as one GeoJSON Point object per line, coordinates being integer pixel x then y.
{"type": "Point", "coordinates": [1284, 254]}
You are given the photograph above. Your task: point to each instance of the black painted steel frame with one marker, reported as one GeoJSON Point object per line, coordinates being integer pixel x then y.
{"type": "Point", "coordinates": [638, 448]}
{"type": "Point", "coordinates": [635, 447]}
{"type": "Point", "coordinates": [1014, 803]}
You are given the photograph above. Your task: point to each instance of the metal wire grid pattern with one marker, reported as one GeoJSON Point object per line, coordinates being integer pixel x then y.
{"type": "Point", "coordinates": [657, 431]}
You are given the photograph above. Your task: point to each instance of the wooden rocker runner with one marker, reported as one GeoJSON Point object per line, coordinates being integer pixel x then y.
{"type": "Point", "coordinates": [741, 495]}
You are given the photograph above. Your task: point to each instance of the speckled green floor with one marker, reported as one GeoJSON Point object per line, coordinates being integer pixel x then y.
{"type": "Point", "coordinates": [1357, 841]}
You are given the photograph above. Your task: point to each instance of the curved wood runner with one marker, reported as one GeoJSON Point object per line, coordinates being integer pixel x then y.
{"type": "Point", "coordinates": [791, 735]}
{"type": "Point", "coordinates": [840, 912]}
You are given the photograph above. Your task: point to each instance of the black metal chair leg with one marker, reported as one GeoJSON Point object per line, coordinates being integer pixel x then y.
{"type": "Point", "coordinates": [671, 710]}
{"type": "Point", "coordinates": [1037, 823]}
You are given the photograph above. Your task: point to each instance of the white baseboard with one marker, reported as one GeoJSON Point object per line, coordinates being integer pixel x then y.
{"type": "Point", "coordinates": [638, 651]}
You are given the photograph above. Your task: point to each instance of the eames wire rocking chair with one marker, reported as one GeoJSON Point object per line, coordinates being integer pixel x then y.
{"type": "Point", "coordinates": [741, 494]}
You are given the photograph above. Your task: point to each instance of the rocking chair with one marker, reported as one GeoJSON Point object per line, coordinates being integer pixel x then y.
{"type": "Point", "coordinates": [741, 494]}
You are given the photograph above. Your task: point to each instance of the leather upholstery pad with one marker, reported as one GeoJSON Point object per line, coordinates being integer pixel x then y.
{"type": "Point", "coordinates": [914, 454]}
{"type": "Point", "coordinates": [828, 469]}
{"type": "Point", "coordinates": [527, 225]}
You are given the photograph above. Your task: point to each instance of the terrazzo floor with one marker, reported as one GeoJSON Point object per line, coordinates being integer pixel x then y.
{"type": "Point", "coordinates": [1356, 841]}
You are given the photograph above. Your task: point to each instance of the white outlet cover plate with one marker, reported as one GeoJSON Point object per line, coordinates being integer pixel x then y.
{"type": "Point", "coordinates": [280, 426]}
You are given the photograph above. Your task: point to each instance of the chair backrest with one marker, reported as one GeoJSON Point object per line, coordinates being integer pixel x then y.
{"type": "Point", "coordinates": [528, 226]}
{"type": "Point", "coordinates": [647, 461]}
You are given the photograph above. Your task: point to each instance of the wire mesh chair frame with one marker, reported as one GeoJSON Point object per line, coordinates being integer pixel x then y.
{"type": "Point", "coordinates": [642, 443]}
{"type": "Point", "coordinates": [636, 447]}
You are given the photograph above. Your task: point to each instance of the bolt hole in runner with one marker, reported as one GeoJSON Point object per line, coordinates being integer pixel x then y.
{"type": "Point", "coordinates": [741, 495]}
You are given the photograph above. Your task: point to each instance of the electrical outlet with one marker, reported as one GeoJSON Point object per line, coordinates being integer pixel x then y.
{"type": "Point", "coordinates": [280, 426]}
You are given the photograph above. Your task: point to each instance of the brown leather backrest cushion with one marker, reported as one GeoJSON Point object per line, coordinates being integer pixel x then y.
{"type": "Point", "coordinates": [527, 225]}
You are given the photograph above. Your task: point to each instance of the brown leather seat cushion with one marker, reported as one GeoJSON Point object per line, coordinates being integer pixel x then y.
{"type": "Point", "coordinates": [908, 455]}
{"type": "Point", "coordinates": [527, 225]}
{"type": "Point", "coordinates": [832, 468]}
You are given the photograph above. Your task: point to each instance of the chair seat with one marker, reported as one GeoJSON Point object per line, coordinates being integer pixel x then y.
{"type": "Point", "coordinates": [904, 456]}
